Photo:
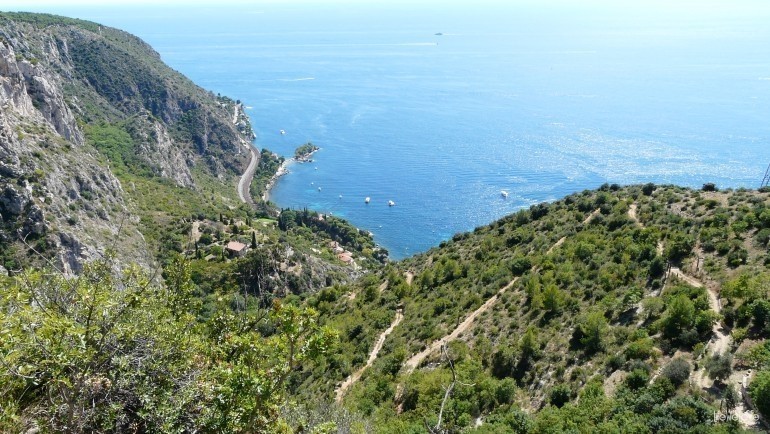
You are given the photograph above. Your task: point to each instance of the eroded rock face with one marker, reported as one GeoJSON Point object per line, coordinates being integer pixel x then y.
{"type": "Point", "coordinates": [50, 104]}
{"type": "Point", "coordinates": [48, 179]}
{"type": "Point", "coordinates": [72, 253]}
{"type": "Point", "coordinates": [13, 88]}
{"type": "Point", "coordinates": [61, 85]}
{"type": "Point", "coordinates": [32, 92]}
{"type": "Point", "coordinates": [34, 223]}
{"type": "Point", "coordinates": [157, 147]}
{"type": "Point", "coordinates": [12, 202]}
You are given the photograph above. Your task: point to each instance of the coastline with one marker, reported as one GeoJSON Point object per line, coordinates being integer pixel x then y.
{"type": "Point", "coordinates": [306, 158]}
{"type": "Point", "coordinates": [283, 169]}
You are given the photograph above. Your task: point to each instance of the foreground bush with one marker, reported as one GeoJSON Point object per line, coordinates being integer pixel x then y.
{"type": "Point", "coordinates": [113, 351]}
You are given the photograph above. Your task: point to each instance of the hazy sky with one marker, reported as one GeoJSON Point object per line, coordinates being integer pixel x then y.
{"type": "Point", "coordinates": [40, 4]}
{"type": "Point", "coordinates": [693, 5]}
{"type": "Point", "coordinates": [44, 5]}
{"type": "Point", "coordinates": [716, 11]}
{"type": "Point", "coordinates": [37, 4]}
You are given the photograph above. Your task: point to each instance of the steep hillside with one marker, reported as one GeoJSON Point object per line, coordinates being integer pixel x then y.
{"type": "Point", "coordinates": [622, 307]}
{"type": "Point", "coordinates": [97, 133]}
{"type": "Point", "coordinates": [639, 308]}
{"type": "Point", "coordinates": [110, 158]}
{"type": "Point", "coordinates": [107, 149]}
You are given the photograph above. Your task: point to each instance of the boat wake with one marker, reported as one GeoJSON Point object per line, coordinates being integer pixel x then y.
{"type": "Point", "coordinates": [295, 79]}
{"type": "Point", "coordinates": [417, 44]}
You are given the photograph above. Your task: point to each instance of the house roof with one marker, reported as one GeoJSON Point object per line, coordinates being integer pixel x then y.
{"type": "Point", "coordinates": [235, 246]}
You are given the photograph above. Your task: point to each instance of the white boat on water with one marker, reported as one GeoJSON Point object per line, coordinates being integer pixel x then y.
{"type": "Point", "coordinates": [504, 193]}
{"type": "Point", "coordinates": [283, 132]}
{"type": "Point", "coordinates": [367, 199]}
{"type": "Point", "coordinates": [319, 188]}
{"type": "Point", "coordinates": [391, 203]}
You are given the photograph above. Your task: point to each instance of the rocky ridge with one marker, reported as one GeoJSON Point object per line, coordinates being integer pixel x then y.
{"type": "Point", "coordinates": [60, 195]}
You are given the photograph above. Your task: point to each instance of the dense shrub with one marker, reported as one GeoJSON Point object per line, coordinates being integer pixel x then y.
{"type": "Point", "coordinates": [559, 395]}
{"type": "Point", "coordinates": [719, 366]}
{"type": "Point", "coordinates": [648, 188]}
{"type": "Point", "coordinates": [677, 371]}
{"type": "Point", "coordinates": [760, 392]}
{"type": "Point", "coordinates": [637, 379]}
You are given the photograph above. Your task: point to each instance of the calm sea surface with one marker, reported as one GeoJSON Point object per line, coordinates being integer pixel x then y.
{"type": "Point", "coordinates": [539, 99]}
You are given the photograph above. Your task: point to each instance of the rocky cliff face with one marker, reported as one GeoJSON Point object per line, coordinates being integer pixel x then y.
{"type": "Point", "coordinates": [55, 196]}
{"type": "Point", "coordinates": [58, 194]}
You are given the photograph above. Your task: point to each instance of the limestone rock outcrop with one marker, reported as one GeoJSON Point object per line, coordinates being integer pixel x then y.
{"type": "Point", "coordinates": [59, 196]}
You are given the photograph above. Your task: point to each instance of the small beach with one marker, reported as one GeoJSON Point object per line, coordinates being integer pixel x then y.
{"type": "Point", "coordinates": [282, 170]}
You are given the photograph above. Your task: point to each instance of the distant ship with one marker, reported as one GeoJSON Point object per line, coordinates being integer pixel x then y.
{"type": "Point", "coordinates": [504, 193]}
{"type": "Point", "coordinates": [367, 199]}
{"type": "Point", "coordinates": [391, 203]}
{"type": "Point", "coordinates": [283, 132]}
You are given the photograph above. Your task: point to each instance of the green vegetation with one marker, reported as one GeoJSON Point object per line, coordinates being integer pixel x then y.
{"type": "Point", "coordinates": [760, 392]}
{"type": "Point", "coordinates": [163, 205]}
{"type": "Point", "coordinates": [45, 20]}
{"type": "Point", "coordinates": [719, 366]}
{"type": "Point", "coordinates": [677, 371]}
{"type": "Point", "coordinates": [118, 352]}
{"type": "Point", "coordinates": [333, 228]}
{"type": "Point", "coordinates": [304, 152]}
{"type": "Point", "coordinates": [624, 309]}
{"type": "Point", "coordinates": [585, 334]}
{"type": "Point", "coordinates": [268, 166]}
{"type": "Point", "coordinates": [115, 143]}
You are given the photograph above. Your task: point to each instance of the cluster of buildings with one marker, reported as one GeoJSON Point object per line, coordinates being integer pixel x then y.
{"type": "Point", "coordinates": [342, 254]}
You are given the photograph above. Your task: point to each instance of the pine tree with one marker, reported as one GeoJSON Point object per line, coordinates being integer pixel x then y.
{"type": "Point", "coordinates": [253, 240]}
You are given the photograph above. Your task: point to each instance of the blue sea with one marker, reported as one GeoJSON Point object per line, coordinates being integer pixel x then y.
{"type": "Point", "coordinates": [441, 106]}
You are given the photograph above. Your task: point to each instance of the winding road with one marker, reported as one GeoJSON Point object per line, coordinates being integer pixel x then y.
{"type": "Point", "coordinates": [244, 185]}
